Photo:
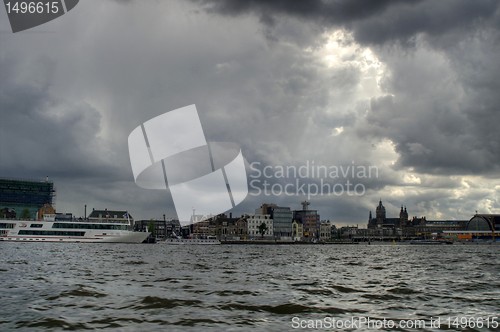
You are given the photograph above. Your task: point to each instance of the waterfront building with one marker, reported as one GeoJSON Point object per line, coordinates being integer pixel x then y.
{"type": "Point", "coordinates": [349, 231]}
{"type": "Point", "coordinates": [172, 228]}
{"type": "Point", "coordinates": [45, 210]}
{"type": "Point", "coordinates": [484, 222]}
{"type": "Point", "coordinates": [253, 223]}
{"type": "Point", "coordinates": [380, 215]}
{"type": "Point", "coordinates": [282, 219]}
{"type": "Point", "coordinates": [310, 221]}
{"type": "Point", "coordinates": [334, 231]}
{"type": "Point", "coordinates": [221, 226]}
{"type": "Point", "coordinates": [23, 198]}
{"type": "Point", "coordinates": [421, 227]}
{"type": "Point", "coordinates": [265, 208]}
{"type": "Point", "coordinates": [110, 216]}
{"type": "Point", "coordinates": [282, 222]}
{"type": "Point", "coordinates": [297, 230]}
{"type": "Point", "coordinates": [225, 226]}
{"type": "Point", "coordinates": [202, 230]}
{"type": "Point", "coordinates": [325, 231]}
{"type": "Point", "coordinates": [367, 234]}
{"type": "Point", "coordinates": [241, 228]}
{"type": "Point", "coordinates": [403, 217]}
{"type": "Point", "coordinates": [381, 220]}
{"type": "Point", "coordinates": [382, 227]}
{"type": "Point", "coordinates": [481, 227]}
{"type": "Point", "coordinates": [162, 229]}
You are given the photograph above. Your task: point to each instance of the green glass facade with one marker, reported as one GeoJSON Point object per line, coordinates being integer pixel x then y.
{"type": "Point", "coordinates": [23, 198]}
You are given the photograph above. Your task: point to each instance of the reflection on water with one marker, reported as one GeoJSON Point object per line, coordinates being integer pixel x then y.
{"type": "Point", "coordinates": [159, 287]}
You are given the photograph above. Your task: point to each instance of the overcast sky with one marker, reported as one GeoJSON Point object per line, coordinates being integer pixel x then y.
{"type": "Point", "coordinates": [408, 87]}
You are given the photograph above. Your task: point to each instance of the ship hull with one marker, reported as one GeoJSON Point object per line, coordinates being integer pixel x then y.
{"type": "Point", "coordinates": [77, 231]}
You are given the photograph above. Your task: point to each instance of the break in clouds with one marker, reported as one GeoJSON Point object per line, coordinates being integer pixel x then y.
{"type": "Point", "coordinates": [408, 87]}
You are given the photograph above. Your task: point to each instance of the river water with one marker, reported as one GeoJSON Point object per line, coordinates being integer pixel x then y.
{"type": "Point", "coordinates": [125, 287]}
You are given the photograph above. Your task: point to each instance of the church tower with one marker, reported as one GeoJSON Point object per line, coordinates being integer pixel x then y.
{"type": "Point", "coordinates": [403, 217]}
{"type": "Point", "coordinates": [380, 214]}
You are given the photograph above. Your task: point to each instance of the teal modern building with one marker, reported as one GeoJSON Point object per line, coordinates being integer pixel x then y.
{"type": "Point", "coordinates": [23, 198]}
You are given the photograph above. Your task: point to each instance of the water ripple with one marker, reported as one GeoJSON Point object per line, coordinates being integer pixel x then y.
{"type": "Point", "coordinates": [238, 288]}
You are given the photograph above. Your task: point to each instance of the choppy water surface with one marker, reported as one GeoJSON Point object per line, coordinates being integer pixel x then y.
{"type": "Point", "coordinates": [158, 287]}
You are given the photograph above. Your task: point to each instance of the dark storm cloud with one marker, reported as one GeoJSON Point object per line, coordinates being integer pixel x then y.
{"type": "Point", "coordinates": [442, 109]}
{"type": "Point", "coordinates": [43, 133]}
{"type": "Point", "coordinates": [75, 94]}
{"type": "Point", "coordinates": [401, 22]}
{"type": "Point", "coordinates": [371, 21]}
{"type": "Point", "coordinates": [333, 12]}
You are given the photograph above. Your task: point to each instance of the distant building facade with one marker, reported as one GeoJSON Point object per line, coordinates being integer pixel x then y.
{"type": "Point", "coordinates": [310, 221]}
{"type": "Point", "coordinates": [282, 222]}
{"type": "Point", "coordinates": [203, 229]}
{"type": "Point", "coordinates": [381, 220]}
{"type": "Point", "coordinates": [481, 227]}
{"type": "Point", "coordinates": [403, 227]}
{"type": "Point", "coordinates": [282, 219]}
{"type": "Point", "coordinates": [325, 231]}
{"type": "Point", "coordinates": [46, 210]}
{"type": "Point", "coordinates": [223, 227]}
{"type": "Point", "coordinates": [254, 222]}
{"type": "Point", "coordinates": [162, 229]}
{"type": "Point", "coordinates": [110, 216]}
{"type": "Point", "coordinates": [484, 222]}
{"type": "Point", "coordinates": [229, 228]}
{"type": "Point", "coordinates": [24, 198]}
{"type": "Point", "coordinates": [297, 231]}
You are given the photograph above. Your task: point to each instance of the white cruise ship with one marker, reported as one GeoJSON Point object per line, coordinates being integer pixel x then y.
{"type": "Point", "coordinates": [76, 230]}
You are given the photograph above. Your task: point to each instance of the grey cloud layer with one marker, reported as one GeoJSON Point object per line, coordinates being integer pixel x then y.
{"type": "Point", "coordinates": [443, 64]}
{"type": "Point", "coordinates": [75, 94]}
{"type": "Point", "coordinates": [372, 21]}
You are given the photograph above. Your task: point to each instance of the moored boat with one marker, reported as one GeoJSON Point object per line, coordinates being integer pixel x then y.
{"type": "Point", "coordinates": [76, 230]}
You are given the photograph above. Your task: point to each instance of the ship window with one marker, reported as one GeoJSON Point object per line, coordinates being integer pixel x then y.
{"type": "Point", "coordinates": [7, 225]}
{"type": "Point", "coordinates": [36, 225]}
{"type": "Point", "coordinates": [55, 233]}
{"type": "Point", "coordinates": [88, 226]}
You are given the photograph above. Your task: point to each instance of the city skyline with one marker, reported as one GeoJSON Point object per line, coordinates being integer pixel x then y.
{"type": "Point", "coordinates": [338, 84]}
